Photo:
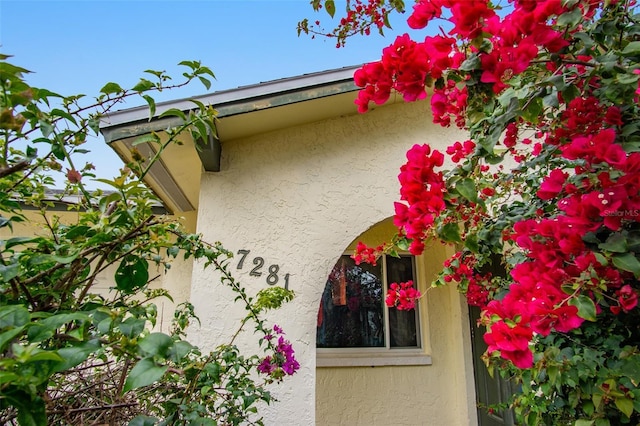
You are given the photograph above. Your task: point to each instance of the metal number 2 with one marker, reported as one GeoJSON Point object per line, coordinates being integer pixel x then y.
{"type": "Point", "coordinates": [259, 262]}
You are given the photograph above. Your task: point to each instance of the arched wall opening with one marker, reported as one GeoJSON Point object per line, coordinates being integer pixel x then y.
{"type": "Point", "coordinates": [400, 385]}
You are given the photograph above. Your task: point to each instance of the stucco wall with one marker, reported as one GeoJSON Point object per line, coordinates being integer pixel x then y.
{"type": "Point", "coordinates": [297, 198]}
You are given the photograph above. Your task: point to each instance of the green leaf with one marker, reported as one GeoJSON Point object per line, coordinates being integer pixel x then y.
{"type": "Point", "coordinates": [627, 262]}
{"type": "Point", "coordinates": [75, 355]}
{"type": "Point", "coordinates": [625, 405]}
{"type": "Point", "coordinates": [8, 272]}
{"type": "Point", "coordinates": [31, 411]}
{"type": "Point", "coordinates": [6, 377]}
{"type": "Point", "coordinates": [132, 273]}
{"type": "Point", "coordinates": [571, 18]}
{"type": "Point", "coordinates": [616, 243]}
{"type": "Point", "coordinates": [110, 88]}
{"type": "Point", "coordinates": [132, 327]}
{"type": "Point", "coordinates": [143, 421]}
{"type": "Point", "coordinates": [94, 124]}
{"type": "Point", "coordinates": [45, 356]}
{"type": "Point", "coordinates": [213, 370]}
{"type": "Point", "coordinates": [144, 373]}
{"type": "Point", "coordinates": [13, 316]}
{"type": "Point", "coordinates": [202, 421]}
{"type": "Point", "coordinates": [156, 344]}
{"type": "Point", "coordinates": [403, 244]}
{"type": "Point", "coordinates": [65, 259]}
{"type": "Point", "coordinates": [205, 82]}
{"type": "Point", "coordinates": [471, 63]}
{"type": "Point", "coordinates": [58, 151]}
{"type": "Point", "coordinates": [330, 7]}
{"type": "Point", "coordinates": [467, 188]}
{"type": "Point", "coordinates": [471, 242]}
{"type": "Point", "coordinates": [8, 336]}
{"type": "Point", "coordinates": [56, 112]}
{"type": "Point", "coordinates": [174, 112]}
{"type": "Point", "coordinates": [450, 233]}
{"type": "Point", "coordinates": [58, 320]}
{"type": "Point", "coordinates": [583, 422]}
{"type": "Point", "coordinates": [631, 49]}
{"type": "Point", "coordinates": [147, 138]}
{"type": "Point", "coordinates": [586, 307]}
{"type": "Point", "coordinates": [552, 372]}
{"type": "Point", "coordinates": [46, 128]}
{"type": "Point", "coordinates": [77, 232]}
{"type": "Point", "coordinates": [143, 85]}
{"type": "Point", "coordinates": [41, 259]}
{"type": "Point", "coordinates": [180, 349]}
{"type": "Point", "coordinates": [40, 332]}
{"type": "Point", "coordinates": [152, 105]}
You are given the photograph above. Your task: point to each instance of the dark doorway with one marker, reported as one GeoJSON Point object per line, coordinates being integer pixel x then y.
{"type": "Point", "coordinates": [489, 390]}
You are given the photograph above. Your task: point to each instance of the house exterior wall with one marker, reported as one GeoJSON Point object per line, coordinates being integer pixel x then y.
{"type": "Point", "coordinates": [297, 198]}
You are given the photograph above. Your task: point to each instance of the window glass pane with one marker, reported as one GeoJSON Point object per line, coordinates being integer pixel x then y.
{"type": "Point", "coordinates": [350, 313]}
{"type": "Point", "coordinates": [403, 330]}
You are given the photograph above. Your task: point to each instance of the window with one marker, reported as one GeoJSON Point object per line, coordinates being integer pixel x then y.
{"type": "Point", "coordinates": [354, 325]}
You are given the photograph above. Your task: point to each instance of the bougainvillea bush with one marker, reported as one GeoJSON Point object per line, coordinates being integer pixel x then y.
{"type": "Point", "coordinates": [545, 193]}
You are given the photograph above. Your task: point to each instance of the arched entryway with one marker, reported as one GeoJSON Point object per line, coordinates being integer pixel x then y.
{"type": "Point", "coordinates": [424, 376]}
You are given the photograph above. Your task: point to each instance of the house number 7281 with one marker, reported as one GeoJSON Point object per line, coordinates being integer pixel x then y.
{"type": "Point", "coordinates": [257, 271]}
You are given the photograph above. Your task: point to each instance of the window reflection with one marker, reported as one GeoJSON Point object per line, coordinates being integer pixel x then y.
{"type": "Point", "coordinates": [350, 313]}
{"type": "Point", "coordinates": [352, 310]}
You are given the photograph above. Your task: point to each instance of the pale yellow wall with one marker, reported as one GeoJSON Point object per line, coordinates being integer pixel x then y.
{"type": "Point", "coordinates": [298, 197]}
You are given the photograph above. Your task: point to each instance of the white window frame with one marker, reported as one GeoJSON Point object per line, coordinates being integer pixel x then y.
{"type": "Point", "coordinates": [387, 356]}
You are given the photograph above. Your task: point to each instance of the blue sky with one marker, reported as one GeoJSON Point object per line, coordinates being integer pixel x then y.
{"type": "Point", "coordinates": [76, 46]}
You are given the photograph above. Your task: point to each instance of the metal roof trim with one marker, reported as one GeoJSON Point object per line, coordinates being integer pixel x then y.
{"type": "Point", "coordinates": [241, 94]}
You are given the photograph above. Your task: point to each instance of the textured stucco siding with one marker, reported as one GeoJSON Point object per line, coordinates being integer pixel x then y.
{"type": "Point", "coordinates": [297, 198]}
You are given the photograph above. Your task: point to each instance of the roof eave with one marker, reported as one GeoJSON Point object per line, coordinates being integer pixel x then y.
{"type": "Point", "coordinates": [135, 121]}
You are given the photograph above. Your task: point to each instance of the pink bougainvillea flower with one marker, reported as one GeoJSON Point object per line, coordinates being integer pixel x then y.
{"type": "Point", "coordinates": [552, 184]}
{"type": "Point", "coordinates": [283, 360]}
{"type": "Point", "coordinates": [402, 296]}
{"type": "Point", "coordinates": [511, 342]}
{"type": "Point", "coordinates": [423, 12]}
{"type": "Point", "coordinates": [366, 254]}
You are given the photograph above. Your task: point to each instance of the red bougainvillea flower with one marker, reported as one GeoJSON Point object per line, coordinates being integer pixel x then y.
{"type": "Point", "coordinates": [459, 150]}
{"type": "Point", "coordinates": [376, 83]}
{"type": "Point", "coordinates": [552, 184]}
{"type": "Point", "coordinates": [423, 12]}
{"type": "Point", "coordinates": [423, 189]}
{"type": "Point", "coordinates": [367, 254]}
{"type": "Point", "coordinates": [469, 17]}
{"type": "Point", "coordinates": [402, 296]}
{"type": "Point", "coordinates": [512, 342]}
{"type": "Point", "coordinates": [627, 297]}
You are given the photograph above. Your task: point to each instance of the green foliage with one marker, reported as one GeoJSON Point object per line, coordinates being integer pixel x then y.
{"type": "Point", "coordinates": [69, 352]}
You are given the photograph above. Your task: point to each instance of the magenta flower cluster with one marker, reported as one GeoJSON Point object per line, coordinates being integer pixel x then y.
{"type": "Point", "coordinates": [283, 360]}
